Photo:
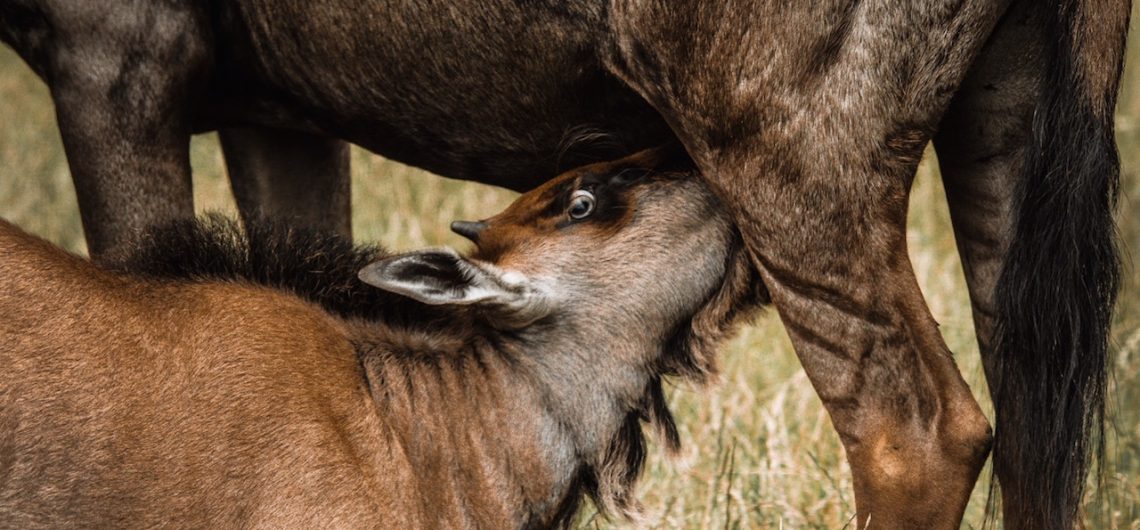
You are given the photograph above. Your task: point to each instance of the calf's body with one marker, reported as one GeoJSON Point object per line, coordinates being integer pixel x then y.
{"type": "Point", "coordinates": [155, 405]}
{"type": "Point", "coordinates": [217, 384]}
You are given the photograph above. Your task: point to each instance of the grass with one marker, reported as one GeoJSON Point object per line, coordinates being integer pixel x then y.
{"type": "Point", "coordinates": [759, 451]}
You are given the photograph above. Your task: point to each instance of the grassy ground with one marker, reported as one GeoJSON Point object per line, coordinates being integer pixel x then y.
{"type": "Point", "coordinates": [759, 451]}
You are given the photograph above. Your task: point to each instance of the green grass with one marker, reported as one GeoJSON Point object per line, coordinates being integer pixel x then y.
{"type": "Point", "coordinates": [759, 451]}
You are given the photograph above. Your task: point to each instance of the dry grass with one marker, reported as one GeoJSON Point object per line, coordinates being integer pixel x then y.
{"type": "Point", "coordinates": [759, 451]}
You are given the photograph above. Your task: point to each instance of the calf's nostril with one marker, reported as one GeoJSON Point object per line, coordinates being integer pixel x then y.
{"type": "Point", "coordinates": [468, 229]}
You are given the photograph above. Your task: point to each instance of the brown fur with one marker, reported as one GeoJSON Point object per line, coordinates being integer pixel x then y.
{"type": "Point", "coordinates": [807, 118]}
{"type": "Point", "coordinates": [136, 400]}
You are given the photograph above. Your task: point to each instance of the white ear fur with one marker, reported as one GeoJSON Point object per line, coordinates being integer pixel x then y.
{"type": "Point", "coordinates": [443, 277]}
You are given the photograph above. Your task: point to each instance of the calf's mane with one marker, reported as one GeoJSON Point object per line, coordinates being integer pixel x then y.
{"type": "Point", "coordinates": [319, 267]}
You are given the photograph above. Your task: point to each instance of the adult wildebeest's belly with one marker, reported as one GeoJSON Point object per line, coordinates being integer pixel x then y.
{"type": "Point", "coordinates": [497, 93]}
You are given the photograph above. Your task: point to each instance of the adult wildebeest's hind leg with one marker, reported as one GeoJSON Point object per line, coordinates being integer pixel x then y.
{"type": "Point", "coordinates": [121, 75]}
{"type": "Point", "coordinates": [286, 175]}
{"type": "Point", "coordinates": [1027, 156]}
{"type": "Point", "coordinates": [810, 122]}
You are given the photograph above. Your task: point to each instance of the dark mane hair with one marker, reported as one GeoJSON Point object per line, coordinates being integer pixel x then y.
{"type": "Point", "coordinates": [317, 266]}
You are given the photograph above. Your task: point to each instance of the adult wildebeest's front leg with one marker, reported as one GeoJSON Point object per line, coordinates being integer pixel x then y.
{"type": "Point", "coordinates": [1027, 156]}
{"type": "Point", "coordinates": [811, 127]}
{"type": "Point", "coordinates": [286, 175]}
{"type": "Point", "coordinates": [121, 75]}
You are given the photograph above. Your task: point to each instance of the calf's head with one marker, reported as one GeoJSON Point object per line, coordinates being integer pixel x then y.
{"type": "Point", "coordinates": [638, 250]}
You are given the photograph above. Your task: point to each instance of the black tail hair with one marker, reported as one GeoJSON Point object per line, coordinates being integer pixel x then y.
{"type": "Point", "coordinates": [1055, 295]}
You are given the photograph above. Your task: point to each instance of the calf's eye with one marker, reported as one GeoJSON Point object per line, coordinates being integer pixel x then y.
{"type": "Point", "coordinates": [581, 204]}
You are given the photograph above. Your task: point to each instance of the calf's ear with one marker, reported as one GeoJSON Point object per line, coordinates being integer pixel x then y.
{"type": "Point", "coordinates": [442, 277]}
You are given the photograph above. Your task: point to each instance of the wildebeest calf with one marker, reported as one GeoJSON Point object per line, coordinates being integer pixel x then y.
{"type": "Point", "coordinates": [227, 380]}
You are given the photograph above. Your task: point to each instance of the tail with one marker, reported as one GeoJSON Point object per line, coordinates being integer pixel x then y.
{"type": "Point", "coordinates": [1058, 284]}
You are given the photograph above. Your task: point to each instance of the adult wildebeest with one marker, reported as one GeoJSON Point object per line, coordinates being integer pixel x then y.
{"type": "Point", "coordinates": [808, 119]}
{"type": "Point", "coordinates": [198, 391]}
